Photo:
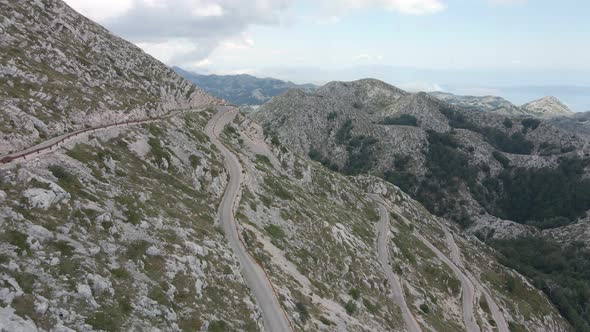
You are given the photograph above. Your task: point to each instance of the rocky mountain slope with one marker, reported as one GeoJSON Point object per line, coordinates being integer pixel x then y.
{"type": "Point", "coordinates": [321, 253]}
{"type": "Point", "coordinates": [484, 103]}
{"type": "Point", "coordinates": [241, 89]}
{"type": "Point", "coordinates": [547, 107]}
{"type": "Point", "coordinates": [119, 229]}
{"type": "Point", "coordinates": [60, 71]}
{"type": "Point", "coordinates": [579, 123]}
{"type": "Point", "coordinates": [499, 177]}
{"type": "Point", "coordinates": [368, 126]}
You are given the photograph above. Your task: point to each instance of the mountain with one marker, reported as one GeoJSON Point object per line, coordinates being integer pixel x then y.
{"type": "Point", "coordinates": [579, 123]}
{"type": "Point", "coordinates": [241, 89]}
{"type": "Point", "coordinates": [547, 107]}
{"type": "Point", "coordinates": [504, 179]}
{"type": "Point", "coordinates": [485, 103]}
{"type": "Point", "coordinates": [165, 221]}
{"type": "Point", "coordinates": [108, 78]}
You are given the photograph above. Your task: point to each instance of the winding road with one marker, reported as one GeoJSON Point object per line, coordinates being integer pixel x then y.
{"type": "Point", "coordinates": [469, 284]}
{"type": "Point", "coordinates": [495, 311]}
{"type": "Point", "coordinates": [382, 230]}
{"type": "Point", "coordinates": [47, 145]}
{"type": "Point", "coordinates": [466, 284]}
{"type": "Point", "coordinates": [275, 319]}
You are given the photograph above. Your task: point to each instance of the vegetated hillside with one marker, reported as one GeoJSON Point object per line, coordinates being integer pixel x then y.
{"type": "Point", "coordinates": [117, 230]}
{"type": "Point", "coordinates": [579, 123]}
{"type": "Point", "coordinates": [546, 107]}
{"type": "Point", "coordinates": [499, 177]}
{"type": "Point", "coordinates": [470, 166]}
{"type": "Point", "coordinates": [241, 89]}
{"type": "Point", "coordinates": [60, 71]}
{"type": "Point", "coordinates": [314, 231]}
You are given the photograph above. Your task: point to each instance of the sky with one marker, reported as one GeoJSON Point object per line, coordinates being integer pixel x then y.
{"type": "Point", "coordinates": [501, 47]}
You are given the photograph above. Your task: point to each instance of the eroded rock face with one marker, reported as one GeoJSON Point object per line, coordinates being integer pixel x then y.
{"type": "Point", "coordinates": [60, 71]}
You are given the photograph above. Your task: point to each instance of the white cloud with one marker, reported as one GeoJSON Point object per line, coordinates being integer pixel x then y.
{"type": "Point", "coordinates": [410, 7]}
{"type": "Point", "coordinates": [208, 10]}
{"type": "Point", "coordinates": [170, 50]}
{"type": "Point", "coordinates": [241, 42]}
{"type": "Point", "coordinates": [101, 10]}
{"type": "Point", "coordinates": [184, 31]}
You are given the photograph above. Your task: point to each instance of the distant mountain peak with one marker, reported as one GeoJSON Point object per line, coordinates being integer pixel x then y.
{"type": "Point", "coordinates": [548, 106]}
{"type": "Point", "coordinates": [241, 89]}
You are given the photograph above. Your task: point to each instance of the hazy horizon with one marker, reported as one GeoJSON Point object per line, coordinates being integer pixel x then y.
{"type": "Point", "coordinates": [462, 47]}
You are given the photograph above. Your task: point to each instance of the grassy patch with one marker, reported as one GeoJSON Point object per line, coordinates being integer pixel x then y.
{"type": "Point", "coordinates": [275, 231]}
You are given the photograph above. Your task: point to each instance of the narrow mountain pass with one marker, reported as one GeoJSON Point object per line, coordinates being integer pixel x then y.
{"type": "Point", "coordinates": [382, 230]}
{"type": "Point", "coordinates": [495, 311]}
{"type": "Point", "coordinates": [275, 318]}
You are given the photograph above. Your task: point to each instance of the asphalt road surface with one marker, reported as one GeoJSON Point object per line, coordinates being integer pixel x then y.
{"type": "Point", "coordinates": [273, 315]}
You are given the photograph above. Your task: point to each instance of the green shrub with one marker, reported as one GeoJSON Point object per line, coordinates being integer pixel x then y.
{"type": "Point", "coordinates": [120, 273]}
{"type": "Point", "coordinates": [159, 153]}
{"type": "Point", "coordinates": [315, 155]}
{"type": "Point", "coordinates": [343, 135]}
{"type": "Point", "coordinates": [402, 120]}
{"type": "Point", "coordinates": [17, 239]}
{"type": "Point", "coordinates": [65, 179]}
{"type": "Point", "coordinates": [507, 123]}
{"type": "Point", "coordinates": [279, 190]}
{"type": "Point", "coordinates": [302, 310]}
{"type": "Point", "coordinates": [371, 307]}
{"type": "Point", "coordinates": [218, 326]}
{"type": "Point", "coordinates": [530, 124]}
{"type": "Point", "coordinates": [355, 293]}
{"type": "Point", "coordinates": [194, 160]}
{"type": "Point", "coordinates": [331, 116]}
{"type": "Point", "coordinates": [326, 321]}
{"type": "Point", "coordinates": [275, 231]}
{"type": "Point", "coordinates": [501, 158]}
{"type": "Point", "coordinates": [424, 307]}
{"type": "Point", "coordinates": [64, 247]}
{"type": "Point", "coordinates": [360, 155]}
{"type": "Point", "coordinates": [350, 307]}
{"type": "Point", "coordinates": [260, 158]}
